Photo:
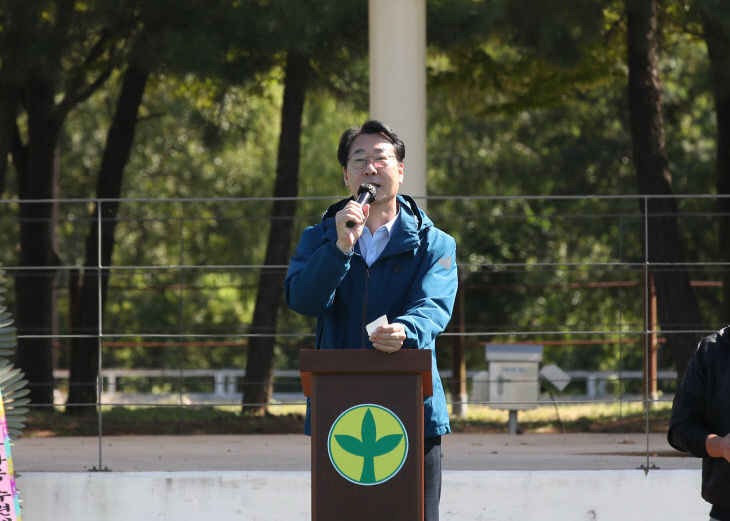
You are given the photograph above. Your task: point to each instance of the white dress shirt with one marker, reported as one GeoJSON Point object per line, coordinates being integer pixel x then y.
{"type": "Point", "coordinates": [371, 246]}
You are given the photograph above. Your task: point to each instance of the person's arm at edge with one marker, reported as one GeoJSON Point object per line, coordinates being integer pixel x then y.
{"type": "Point", "coordinates": [688, 431]}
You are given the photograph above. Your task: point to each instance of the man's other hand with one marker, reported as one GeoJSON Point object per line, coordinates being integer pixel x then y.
{"type": "Point", "coordinates": [389, 338]}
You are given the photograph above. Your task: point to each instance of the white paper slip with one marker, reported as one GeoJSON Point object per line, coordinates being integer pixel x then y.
{"type": "Point", "coordinates": [375, 324]}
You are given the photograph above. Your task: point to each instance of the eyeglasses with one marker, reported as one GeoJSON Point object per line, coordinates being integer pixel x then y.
{"type": "Point", "coordinates": [360, 161]}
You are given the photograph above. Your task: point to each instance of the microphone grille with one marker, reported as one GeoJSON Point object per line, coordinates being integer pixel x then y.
{"type": "Point", "coordinates": [367, 187]}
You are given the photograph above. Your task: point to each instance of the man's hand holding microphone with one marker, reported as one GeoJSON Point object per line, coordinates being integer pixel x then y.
{"type": "Point", "coordinates": [351, 219]}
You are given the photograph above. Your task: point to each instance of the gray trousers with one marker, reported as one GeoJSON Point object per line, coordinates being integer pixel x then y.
{"type": "Point", "coordinates": [431, 478]}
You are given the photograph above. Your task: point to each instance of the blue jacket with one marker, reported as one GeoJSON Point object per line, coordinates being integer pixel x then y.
{"type": "Point", "coordinates": [413, 282]}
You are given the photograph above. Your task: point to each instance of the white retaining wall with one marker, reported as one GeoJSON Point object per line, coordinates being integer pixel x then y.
{"type": "Point", "coordinates": [274, 496]}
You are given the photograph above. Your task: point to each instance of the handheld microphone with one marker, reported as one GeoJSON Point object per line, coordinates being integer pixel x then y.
{"type": "Point", "coordinates": [365, 195]}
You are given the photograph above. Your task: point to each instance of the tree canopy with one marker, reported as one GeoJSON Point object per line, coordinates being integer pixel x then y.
{"type": "Point", "coordinates": [528, 108]}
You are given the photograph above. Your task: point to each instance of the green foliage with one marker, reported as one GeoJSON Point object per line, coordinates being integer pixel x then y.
{"type": "Point", "coordinates": [524, 121]}
{"type": "Point", "coordinates": [571, 149]}
{"type": "Point", "coordinates": [526, 99]}
{"type": "Point", "coordinates": [200, 139]}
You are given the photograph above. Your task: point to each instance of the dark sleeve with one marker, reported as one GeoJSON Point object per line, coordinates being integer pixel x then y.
{"type": "Point", "coordinates": [688, 428]}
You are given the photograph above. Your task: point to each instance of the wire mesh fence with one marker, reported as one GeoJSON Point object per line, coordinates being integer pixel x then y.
{"type": "Point", "coordinates": [174, 285]}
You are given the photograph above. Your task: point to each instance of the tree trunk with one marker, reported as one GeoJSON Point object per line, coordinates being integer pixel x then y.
{"type": "Point", "coordinates": [34, 287]}
{"type": "Point", "coordinates": [85, 312]}
{"type": "Point", "coordinates": [260, 361]}
{"type": "Point", "coordinates": [8, 113]}
{"type": "Point", "coordinates": [678, 309]}
{"type": "Point", "coordinates": [717, 39]}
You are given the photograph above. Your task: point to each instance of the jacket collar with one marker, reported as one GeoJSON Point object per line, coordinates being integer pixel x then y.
{"type": "Point", "coordinates": [405, 234]}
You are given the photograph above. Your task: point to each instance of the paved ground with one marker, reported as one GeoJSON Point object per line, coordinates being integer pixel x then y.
{"type": "Point", "coordinates": [292, 452]}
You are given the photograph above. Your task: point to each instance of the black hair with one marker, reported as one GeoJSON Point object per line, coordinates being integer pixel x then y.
{"type": "Point", "coordinates": [372, 126]}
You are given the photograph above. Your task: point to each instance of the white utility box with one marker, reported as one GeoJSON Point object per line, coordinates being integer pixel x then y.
{"type": "Point", "coordinates": [513, 375]}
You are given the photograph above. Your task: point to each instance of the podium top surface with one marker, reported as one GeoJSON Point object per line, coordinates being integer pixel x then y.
{"type": "Point", "coordinates": [365, 361]}
{"type": "Point", "coordinates": [359, 361]}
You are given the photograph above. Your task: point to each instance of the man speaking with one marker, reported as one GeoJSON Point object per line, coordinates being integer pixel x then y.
{"type": "Point", "coordinates": [379, 261]}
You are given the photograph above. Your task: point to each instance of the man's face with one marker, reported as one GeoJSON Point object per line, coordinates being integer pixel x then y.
{"type": "Point", "coordinates": [380, 169]}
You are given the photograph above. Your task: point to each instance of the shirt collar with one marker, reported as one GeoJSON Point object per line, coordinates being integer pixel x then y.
{"type": "Point", "coordinates": [388, 226]}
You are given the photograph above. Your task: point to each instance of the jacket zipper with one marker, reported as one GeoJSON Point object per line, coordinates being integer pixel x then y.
{"type": "Point", "coordinates": [365, 309]}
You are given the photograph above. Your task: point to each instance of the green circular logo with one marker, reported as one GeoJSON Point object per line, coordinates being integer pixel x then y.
{"type": "Point", "coordinates": [367, 444]}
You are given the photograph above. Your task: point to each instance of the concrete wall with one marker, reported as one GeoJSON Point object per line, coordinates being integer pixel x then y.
{"type": "Point", "coordinates": [262, 496]}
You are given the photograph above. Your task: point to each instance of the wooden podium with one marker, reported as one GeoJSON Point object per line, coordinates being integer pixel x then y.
{"type": "Point", "coordinates": [367, 432]}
